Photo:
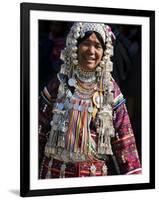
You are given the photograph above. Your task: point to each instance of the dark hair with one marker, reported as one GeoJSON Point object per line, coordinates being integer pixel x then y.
{"type": "Point", "coordinates": [87, 34]}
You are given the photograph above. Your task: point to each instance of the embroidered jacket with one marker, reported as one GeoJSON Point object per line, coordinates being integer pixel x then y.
{"type": "Point", "coordinates": [125, 159]}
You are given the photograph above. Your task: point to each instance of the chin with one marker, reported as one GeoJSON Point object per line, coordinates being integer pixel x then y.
{"type": "Point", "coordinates": [90, 67]}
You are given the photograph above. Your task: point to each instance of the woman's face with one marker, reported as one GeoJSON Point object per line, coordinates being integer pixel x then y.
{"type": "Point", "coordinates": [90, 53]}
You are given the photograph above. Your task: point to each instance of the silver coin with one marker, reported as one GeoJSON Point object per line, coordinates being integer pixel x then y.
{"type": "Point", "coordinates": [66, 103]}
{"type": "Point", "coordinates": [70, 106]}
{"type": "Point", "coordinates": [51, 123]}
{"type": "Point", "coordinates": [80, 108]}
{"type": "Point", "coordinates": [76, 106]}
{"type": "Point", "coordinates": [90, 109]}
{"type": "Point", "coordinates": [55, 118]}
{"type": "Point", "coordinates": [99, 99]}
{"type": "Point", "coordinates": [71, 82]}
{"type": "Point", "coordinates": [69, 94]}
{"type": "Point", "coordinates": [60, 106]}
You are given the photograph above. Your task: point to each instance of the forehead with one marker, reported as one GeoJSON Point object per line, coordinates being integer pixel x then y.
{"type": "Point", "coordinates": [92, 38]}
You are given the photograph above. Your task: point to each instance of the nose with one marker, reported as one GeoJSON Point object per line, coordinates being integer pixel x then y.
{"type": "Point", "coordinates": [91, 49]}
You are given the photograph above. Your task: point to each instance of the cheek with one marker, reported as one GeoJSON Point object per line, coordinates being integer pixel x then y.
{"type": "Point", "coordinates": [81, 49]}
{"type": "Point", "coordinates": [80, 53]}
{"type": "Point", "coordinates": [100, 55]}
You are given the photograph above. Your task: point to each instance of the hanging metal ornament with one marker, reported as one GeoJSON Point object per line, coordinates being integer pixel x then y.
{"type": "Point", "coordinates": [74, 48]}
{"type": "Point", "coordinates": [110, 98]}
{"type": "Point", "coordinates": [109, 45]}
{"type": "Point", "coordinates": [105, 58]}
{"type": "Point", "coordinates": [99, 73]}
{"type": "Point", "coordinates": [105, 131]}
{"type": "Point", "coordinates": [104, 170]}
{"type": "Point", "coordinates": [74, 55]}
{"type": "Point", "coordinates": [74, 41]}
{"type": "Point", "coordinates": [98, 99]}
{"type": "Point", "coordinates": [61, 90]}
{"type": "Point", "coordinates": [76, 35]}
{"type": "Point", "coordinates": [62, 55]}
{"type": "Point", "coordinates": [102, 64]}
{"type": "Point", "coordinates": [72, 82]}
{"type": "Point", "coordinates": [109, 66]}
{"type": "Point", "coordinates": [75, 62]}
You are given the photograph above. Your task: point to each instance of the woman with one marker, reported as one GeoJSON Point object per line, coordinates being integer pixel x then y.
{"type": "Point", "coordinates": [84, 127]}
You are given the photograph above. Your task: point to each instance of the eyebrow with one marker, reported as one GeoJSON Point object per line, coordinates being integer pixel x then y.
{"type": "Point", "coordinates": [95, 42]}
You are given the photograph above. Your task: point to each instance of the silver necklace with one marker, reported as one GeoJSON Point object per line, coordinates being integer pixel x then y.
{"type": "Point", "coordinates": [85, 76]}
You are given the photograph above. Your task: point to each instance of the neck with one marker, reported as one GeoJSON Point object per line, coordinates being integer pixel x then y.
{"type": "Point", "coordinates": [86, 69]}
{"type": "Point", "coordinates": [86, 76]}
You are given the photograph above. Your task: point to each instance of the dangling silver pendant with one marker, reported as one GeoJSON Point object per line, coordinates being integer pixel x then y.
{"type": "Point", "coordinates": [62, 170]}
{"type": "Point", "coordinates": [104, 170]}
{"type": "Point", "coordinates": [72, 82]}
{"type": "Point", "coordinates": [92, 170]}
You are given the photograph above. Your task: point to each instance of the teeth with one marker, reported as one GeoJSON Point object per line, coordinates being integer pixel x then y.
{"type": "Point", "coordinates": [90, 58]}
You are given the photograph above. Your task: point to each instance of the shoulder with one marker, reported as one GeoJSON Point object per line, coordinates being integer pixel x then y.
{"type": "Point", "coordinates": [51, 89]}
{"type": "Point", "coordinates": [118, 96]}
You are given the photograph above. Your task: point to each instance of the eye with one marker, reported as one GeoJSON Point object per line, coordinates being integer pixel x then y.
{"type": "Point", "coordinates": [86, 43]}
{"type": "Point", "coordinates": [98, 46]}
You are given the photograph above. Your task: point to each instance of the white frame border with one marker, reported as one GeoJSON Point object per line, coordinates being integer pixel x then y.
{"type": "Point", "coordinates": [35, 183]}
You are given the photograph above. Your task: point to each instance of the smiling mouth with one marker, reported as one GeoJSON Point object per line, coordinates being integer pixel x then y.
{"type": "Point", "coordinates": [90, 59]}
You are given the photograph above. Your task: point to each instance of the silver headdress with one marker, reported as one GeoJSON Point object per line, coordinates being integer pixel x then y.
{"type": "Point", "coordinates": [78, 30]}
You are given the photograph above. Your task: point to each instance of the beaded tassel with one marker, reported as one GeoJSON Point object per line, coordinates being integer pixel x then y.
{"type": "Point", "coordinates": [70, 137]}
{"type": "Point", "coordinates": [62, 170]}
{"type": "Point", "coordinates": [78, 132]}
{"type": "Point", "coordinates": [79, 121]}
{"type": "Point", "coordinates": [84, 133]}
{"type": "Point", "coordinates": [48, 175]}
